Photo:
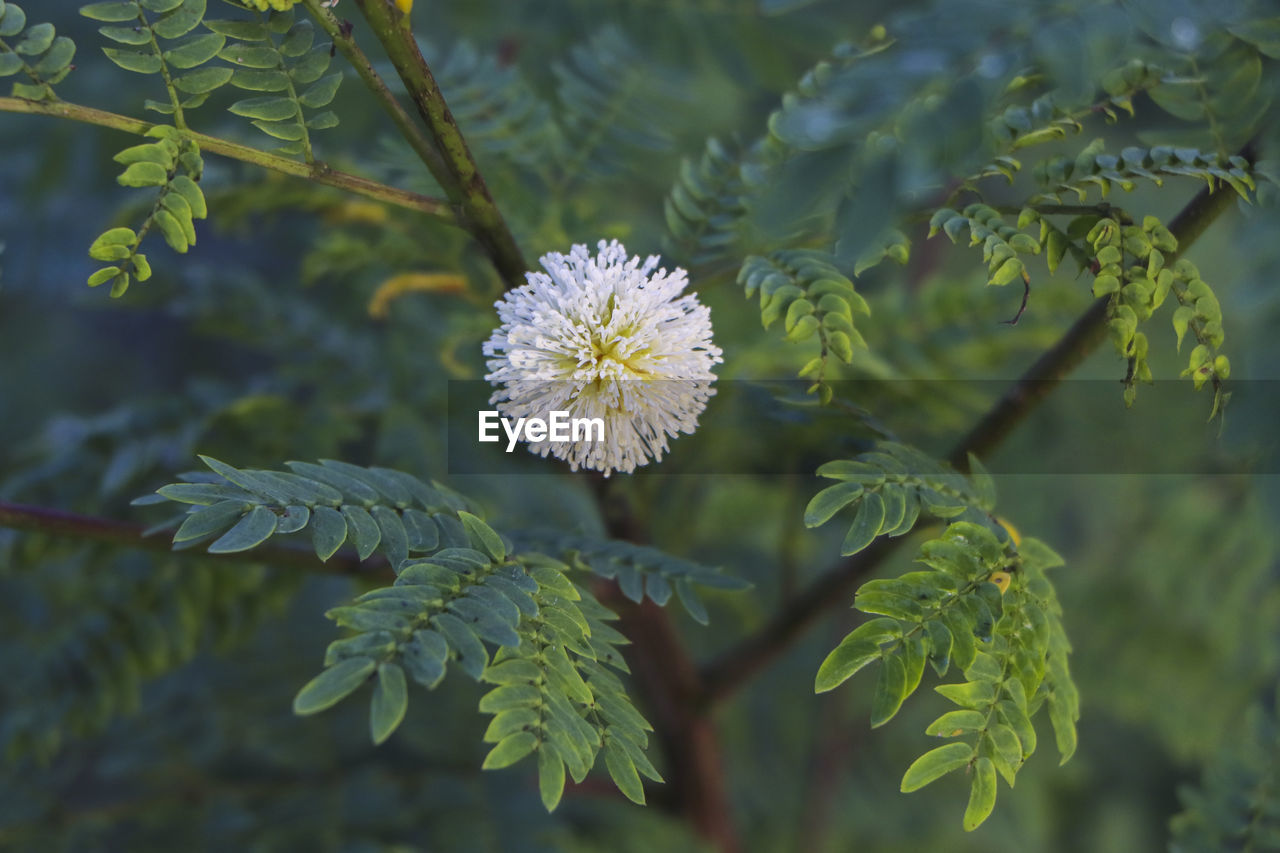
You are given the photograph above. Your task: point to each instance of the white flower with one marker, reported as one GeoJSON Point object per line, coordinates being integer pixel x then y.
{"type": "Point", "coordinates": [604, 337]}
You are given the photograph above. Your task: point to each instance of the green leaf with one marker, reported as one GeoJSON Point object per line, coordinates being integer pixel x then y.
{"type": "Point", "coordinates": [692, 603]}
{"type": "Point", "coordinates": [172, 231]}
{"type": "Point", "coordinates": [829, 501]}
{"type": "Point", "coordinates": [36, 40]}
{"type": "Point", "coordinates": [243, 55]}
{"type": "Point", "coordinates": [241, 30]}
{"type": "Point", "coordinates": [144, 174]}
{"type": "Point", "coordinates": [148, 152]}
{"type": "Point", "coordinates": [510, 697]}
{"type": "Point", "coordinates": [510, 749]}
{"type": "Point", "coordinates": [484, 622]}
{"type": "Point", "coordinates": [205, 494]}
{"type": "Point", "coordinates": [209, 520]}
{"type": "Point", "coordinates": [362, 530]}
{"type": "Point", "coordinates": [183, 19]}
{"type": "Point", "coordinates": [160, 6]}
{"type": "Point", "coordinates": [190, 190]}
{"type": "Point", "coordinates": [390, 701]}
{"type": "Point", "coordinates": [550, 778]}
{"type": "Point", "coordinates": [289, 131]}
{"type": "Point", "coordinates": [970, 694]}
{"type": "Point", "coordinates": [1105, 284]}
{"type": "Point", "coordinates": [395, 542]}
{"type": "Point", "coordinates": [328, 531]}
{"type": "Point", "coordinates": [333, 685]}
{"type": "Point", "coordinates": [322, 92]}
{"type": "Point", "coordinates": [251, 531]}
{"type": "Point", "coordinates": [134, 36]}
{"type": "Point", "coordinates": [310, 68]}
{"type": "Point", "coordinates": [1006, 751]}
{"type": "Point", "coordinates": [866, 524]}
{"type": "Point", "coordinates": [935, 764]}
{"type": "Point", "coordinates": [859, 648]}
{"type": "Point", "coordinates": [424, 656]}
{"type": "Point", "coordinates": [470, 652]}
{"type": "Point", "coordinates": [1063, 719]}
{"type": "Point", "coordinates": [484, 537]}
{"type": "Point", "coordinates": [623, 772]}
{"type": "Point", "coordinates": [103, 275]}
{"type": "Point", "coordinates": [104, 248]}
{"type": "Point", "coordinates": [957, 723]}
{"type": "Point", "coordinates": [197, 51]}
{"type": "Point", "coordinates": [982, 794]}
{"type": "Point", "coordinates": [113, 12]}
{"type": "Point", "coordinates": [891, 691]}
{"type": "Point", "coordinates": [269, 108]}
{"type": "Point", "coordinates": [133, 60]}
{"type": "Point", "coordinates": [177, 206]}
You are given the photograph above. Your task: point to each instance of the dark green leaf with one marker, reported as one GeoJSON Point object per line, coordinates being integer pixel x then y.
{"type": "Point", "coordinates": [390, 701]}
{"type": "Point", "coordinates": [210, 520]}
{"type": "Point", "coordinates": [424, 656]}
{"type": "Point", "coordinates": [623, 772]}
{"type": "Point", "coordinates": [333, 685]}
{"type": "Point", "coordinates": [362, 530]}
{"type": "Point", "coordinates": [250, 532]}
{"type": "Point", "coordinates": [891, 691]}
{"type": "Point", "coordinates": [470, 652]}
{"type": "Point", "coordinates": [866, 524]}
{"type": "Point", "coordinates": [328, 531]}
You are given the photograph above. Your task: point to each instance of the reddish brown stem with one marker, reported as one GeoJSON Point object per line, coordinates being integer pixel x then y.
{"type": "Point", "coordinates": [669, 681]}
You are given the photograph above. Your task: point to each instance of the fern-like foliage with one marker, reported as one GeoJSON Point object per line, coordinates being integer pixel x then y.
{"type": "Point", "coordinates": [555, 696]}
{"type": "Point", "coordinates": [612, 113]}
{"type": "Point", "coordinates": [1237, 806]}
{"type": "Point", "coordinates": [504, 119]}
{"type": "Point", "coordinates": [806, 290]}
{"type": "Point", "coordinates": [172, 165]}
{"type": "Point", "coordinates": [706, 207]}
{"type": "Point", "coordinates": [639, 569]}
{"type": "Point", "coordinates": [155, 37]}
{"type": "Point", "coordinates": [1220, 85]}
{"type": "Point", "coordinates": [1128, 261]}
{"type": "Point", "coordinates": [37, 52]}
{"type": "Point", "coordinates": [458, 587]}
{"type": "Point", "coordinates": [276, 56]}
{"type": "Point", "coordinates": [983, 604]}
{"type": "Point", "coordinates": [1136, 290]}
{"type": "Point", "coordinates": [374, 509]}
{"type": "Point", "coordinates": [1094, 167]}
{"type": "Point", "coordinates": [986, 606]}
{"type": "Point", "coordinates": [149, 619]}
{"type": "Point", "coordinates": [889, 487]}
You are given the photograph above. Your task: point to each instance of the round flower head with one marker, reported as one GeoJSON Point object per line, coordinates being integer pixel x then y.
{"type": "Point", "coordinates": [604, 337]}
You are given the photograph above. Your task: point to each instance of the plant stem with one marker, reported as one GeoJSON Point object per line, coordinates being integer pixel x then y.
{"type": "Point", "coordinates": [58, 523]}
{"type": "Point", "coordinates": [461, 179]}
{"type": "Point", "coordinates": [317, 172]}
{"type": "Point", "coordinates": [346, 44]}
{"type": "Point", "coordinates": [725, 675]}
{"type": "Point", "coordinates": [672, 689]}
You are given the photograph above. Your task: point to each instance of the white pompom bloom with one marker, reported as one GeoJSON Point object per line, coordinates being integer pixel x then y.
{"type": "Point", "coordinates": [604, 337]}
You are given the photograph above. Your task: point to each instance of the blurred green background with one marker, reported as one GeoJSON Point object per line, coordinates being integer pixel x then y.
{"type": "Point", "coordinates": [145, 700]}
